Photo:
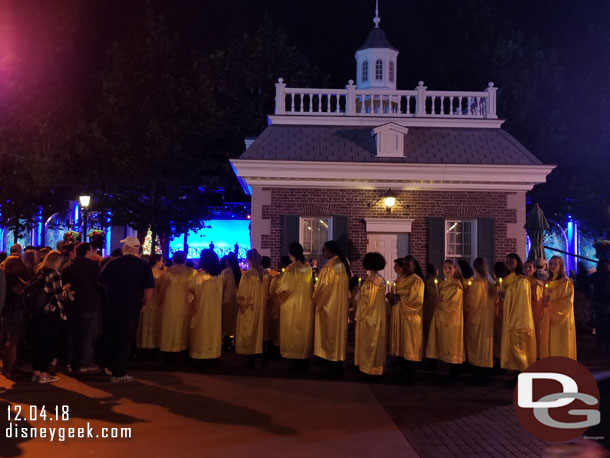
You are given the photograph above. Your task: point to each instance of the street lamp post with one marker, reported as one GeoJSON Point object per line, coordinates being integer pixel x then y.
{"type": "Point", "coordinates": [84, 203]}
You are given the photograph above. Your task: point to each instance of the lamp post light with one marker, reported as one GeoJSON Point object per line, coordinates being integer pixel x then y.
{"type": "Point", "coordinates": [84, 203]}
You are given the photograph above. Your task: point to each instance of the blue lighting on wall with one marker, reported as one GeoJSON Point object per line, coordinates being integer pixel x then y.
{"type": "Point", "coordinates": [76, 215]}
{"type": "Point", "coordinates": [224, 234]}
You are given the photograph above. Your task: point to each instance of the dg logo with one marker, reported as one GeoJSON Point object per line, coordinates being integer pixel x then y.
{"type": "Point", "coordinates": [557, 399]}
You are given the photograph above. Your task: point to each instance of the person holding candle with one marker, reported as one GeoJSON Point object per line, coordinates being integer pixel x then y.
{"type": "Point", "coordinates": [252, 296]}
{"type": "Point", "coordinates": [537, 307]}
{"type": "Point", "coordinates": [231, 275]}
{"type": "Point", "coordinates": [479, 314]}
{"type": "Point", "coordinates": [330, 299]}
{"type": "Point", "coordinates": [275, 302]}
{"type": "Point", "coordinates": [147, 337]}
{"type": "Point", "coordinates": [558, 333]}
{"type": "Point", "coordinates": [500, 272]}
{"type": "Point", "coordinates": [446, 336]}
{"type": "Point", "coordinates": [205, 335]}
{"type": "Point", "coordinates": [518, 342]}
{"type": "Point", "coordinates": [293, 292]}
{"type": "Point", "coordinates": [396, 331]}
{"type": "Point", "coordinates": [410, 297]}
{"type": "Point", "coordinates": [371, 318]}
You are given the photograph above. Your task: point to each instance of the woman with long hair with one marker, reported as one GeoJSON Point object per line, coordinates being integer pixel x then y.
{"type": "Point", "coordinates": [252, 296]}
{"type": "Point", "coordinates": [147, 337]}
{"type": "Point", "coordinates": [479, 314]}
{"type": "Point", "coordinates": [558, 332]}
{"type": "Point", "coordinates": [537, 294]}
{"type": "Point", "coordinates": [330, 298]}
{"type": "Point", "coordinates": [205, 333]}
{"type": "Point", "coordinates": [518, 344]}
{"type": "Point", "coordinates": [446, 336]}
{"type": "Point", "coordinates": [410, 303]}
{"type": "Point", "coordinates": [45, 323]}
{"type": "Point", "coordinates": [14, 319]}
{"type": "Point", "coordinates": [294, 291]}
{"type": "Point", "coordinates": [371, 318]}
{"type": "Point", "coordinates": [231, 275]}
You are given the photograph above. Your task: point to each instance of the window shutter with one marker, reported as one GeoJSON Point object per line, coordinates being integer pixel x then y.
{"type": "Point", "coordinates": [485, 240]}
{"type": "Point", "coordinates": [340, 232]}
{"type": "Point", "coordinates": [436, 241]}
{"type": "Point", "coordinates": [291, 232]}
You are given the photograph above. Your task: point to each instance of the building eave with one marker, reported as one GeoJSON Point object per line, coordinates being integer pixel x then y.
{"type": "Point", "coordinates": [358, 175]}
{"type": "Point", "coordinates": [376, 120]}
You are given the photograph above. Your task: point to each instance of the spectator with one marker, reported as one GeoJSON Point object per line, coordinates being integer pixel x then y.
{"type": "Point", "coordinates": [14, 251]}
{"type": "Point", "coordinates": [13, 313]}
{"type": "Point", "coordinates": [81, 274]}
{"type": "Point", "coordinates": [3, 256]}
{"type": "Point", "coordinates": [129, 285]}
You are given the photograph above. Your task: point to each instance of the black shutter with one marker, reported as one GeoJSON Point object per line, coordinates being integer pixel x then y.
{"type": "Point", "coordinates": [485, 239]}
{"type": "Point", "coordinates": [290, 233]}
{"type": "Point", "coordinates": [436, 242]}
{"type": "Point", "coordinates": [340, 232]}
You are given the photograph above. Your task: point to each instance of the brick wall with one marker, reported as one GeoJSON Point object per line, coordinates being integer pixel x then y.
{"type": "Point", "coordinates": [419, 205]}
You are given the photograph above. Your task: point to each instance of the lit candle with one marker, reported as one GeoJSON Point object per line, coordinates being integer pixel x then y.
{"type": "Point", "coordinates": [394, 288]}
{"type": "Point", "coordinates": [501, 287]}
{"type": "Point", "coordinates": [283, 270]}
{"type": "Point", "coordinates": [316, 279]}
{"type": "Point", "coordinates": [436, 284]}
{"type": "Point", "coordinates": [359, 279]}
{"type": "Point", "coordinates": [546, 285]}
{"type": "Point", "coordinates": [469, 282]}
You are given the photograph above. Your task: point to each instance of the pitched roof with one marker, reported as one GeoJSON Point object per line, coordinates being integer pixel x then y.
{"type": "Point", "coordinates": [422, 145]}
{"type": "Point", "coordinates": [376, 39]}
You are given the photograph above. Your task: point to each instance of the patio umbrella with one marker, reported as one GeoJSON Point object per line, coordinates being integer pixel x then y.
{"type": "Point", "coordinates": [535, 225]}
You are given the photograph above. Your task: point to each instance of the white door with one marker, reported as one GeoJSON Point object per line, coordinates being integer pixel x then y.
{"type": "Point", "coordinates": [387, 245]}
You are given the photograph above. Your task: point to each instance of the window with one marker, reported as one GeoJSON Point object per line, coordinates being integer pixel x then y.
{"type": "Point", "coordinates": [379, 70]}
{"type": "Point", "coordinates": [460, 240]}
{"type": "Point", "coordinates": [365, 71]}
{"type": "Point", "coordinates": [391, 71]}
{"type": "Point", "coordinates": [313, 233]}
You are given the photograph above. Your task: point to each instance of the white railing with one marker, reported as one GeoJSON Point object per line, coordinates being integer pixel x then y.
{"type": "Point", "coordinates": [418, 102]}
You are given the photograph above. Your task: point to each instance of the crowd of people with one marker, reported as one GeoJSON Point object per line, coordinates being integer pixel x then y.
{"type": "Point", "coordinates": [89, 313]}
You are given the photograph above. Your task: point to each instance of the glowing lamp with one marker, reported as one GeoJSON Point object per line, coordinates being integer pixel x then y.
{"type": "Point", "coordinates": [389, 200]}
{"type": "Point", "coordinates": [84, 201]}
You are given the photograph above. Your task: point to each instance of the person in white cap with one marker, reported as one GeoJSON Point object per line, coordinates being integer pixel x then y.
{"type": "Point", "coordinates": [129, 284]}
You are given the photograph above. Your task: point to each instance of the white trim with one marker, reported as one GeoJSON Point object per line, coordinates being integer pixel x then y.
{"type": "Point", "coordinates": [376, 175]}
{"type": "Point", "coordinates": [329, 231]}
{"type": "Point", "coordinates": [392, 226]}
{"type": "Point", "coordinates": [363, 119]}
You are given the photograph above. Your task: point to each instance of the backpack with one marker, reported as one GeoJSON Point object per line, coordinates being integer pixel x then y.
{"type": "Point", "coordinates": [34, 296]}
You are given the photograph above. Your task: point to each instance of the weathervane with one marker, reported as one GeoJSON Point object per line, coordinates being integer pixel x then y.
{"type": "Point", "coordinates": [376, 19]}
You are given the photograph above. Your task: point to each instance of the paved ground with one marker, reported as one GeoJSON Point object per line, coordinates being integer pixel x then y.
{"type": "Point", "coordinates": [228, 411]}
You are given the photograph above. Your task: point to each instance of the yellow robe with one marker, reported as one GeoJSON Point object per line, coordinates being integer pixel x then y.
{"type": "Point", "coordinates": [252, 297]}
{"type": "Point", "coordinates": [293, 292]}
{"type": "Point", "coordinates": [499, 307]}
{"type": "Point", "coordinates": [268, 328]}
{"type": "Point", "coordinates": [518, 343]}
{"type": "Point", "coordinates": [395, 330]}
{"type": "Point", "coordinates": [371, 322]}
{"type": "Point", "coordinates": [411, 304]}
{"type": "Point", "coordinates": [205, 336]}
{"type": "Point", "coordinates": [479, 315]}
{"type": "Point", "coordinates": [446, 336]}
{"type": "Point", "coordinates": [430, 301]}
{"type": "Point", "coordinates": [229, 303]}
{"type": "Point", "coordinates": [558, 332]}
{"type": "Point", "coordinates": [149, 329]}
{"type": "Point", "coordinates": [538, 312]}
{"type": "Point", "coordinates": [330, 298]}
{"type": "Point", "coordinates": [175, 310]}
{"type": "Point", "coordinates": [274, 307]}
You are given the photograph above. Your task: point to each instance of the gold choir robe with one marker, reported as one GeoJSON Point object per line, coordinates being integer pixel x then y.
{"type": "Point", "coordinates": [293, 293]}
{"type": "Point", "coordinates": [558, 329]}
{"type": "Point", "coordinates": [252, 297]}
{"type": "Point", "coordinates": [371, 322]}
{"type": "Point", "coordinates": [175, 310]}
{"type": "Point", "coordinates": [229, 302]}
{"type": "Point", "coordinates": [268, 328]}
{"type": "Point", "coordinates": [149, 327]}
{"type": "Point", "coordinates": [479, 316]}
{"type": "Point", "coordinates": [205, 336]}
{"type": "Point", "coordinates": [430, 301]}
{"type": "Point", "coordinates": [410, 306]}
{"type": "Point", "coordinates": [274, 308]}
{"type": "Point", "coordinates": [446, 335]}
{"type": "Point", "coordinates": [537, 309]}
{"type": "Point", "coordinates": [518, 341]}
{"type": "Point", "coordinates": [330, 298]}
{"type": "Point", "coordinates": [395, 327]}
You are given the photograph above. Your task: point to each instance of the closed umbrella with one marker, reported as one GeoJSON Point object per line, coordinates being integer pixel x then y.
{"type": "Point", "coordinates": [535, 225]}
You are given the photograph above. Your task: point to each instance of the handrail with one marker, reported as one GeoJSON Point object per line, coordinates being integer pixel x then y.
{"type": "Point", "coordinates": [571, 254]}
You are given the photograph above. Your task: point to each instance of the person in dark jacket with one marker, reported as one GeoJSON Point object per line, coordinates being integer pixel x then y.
{"type": "Point", "coordinates": [14, 320]}
{"type": "Point", "coordinates": [81, 274]}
